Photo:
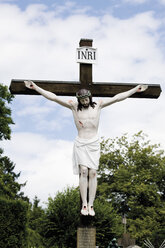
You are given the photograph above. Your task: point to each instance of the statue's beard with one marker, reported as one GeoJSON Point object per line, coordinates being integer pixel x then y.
{"type": "Point", "coordinates": [85, 105]}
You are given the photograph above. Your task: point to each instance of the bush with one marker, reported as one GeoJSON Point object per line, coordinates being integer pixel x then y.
{"type": "Point", "coordinates": [13, 220]}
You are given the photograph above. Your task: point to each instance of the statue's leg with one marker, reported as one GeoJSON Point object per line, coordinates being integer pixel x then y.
{"type": "Point", "coordinates": [83, 183]}
{"type": "Point", "coordinates": [92, 190]}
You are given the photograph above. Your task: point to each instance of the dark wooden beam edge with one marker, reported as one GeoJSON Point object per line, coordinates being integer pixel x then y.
{"type": "Point", "coordinates": [70, 88]}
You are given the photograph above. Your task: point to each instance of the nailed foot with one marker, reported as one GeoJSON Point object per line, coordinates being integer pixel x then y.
{"type": "Point", "coordinates": [84, 210]}
{"type": "Point", "coordinates": [91, 211]}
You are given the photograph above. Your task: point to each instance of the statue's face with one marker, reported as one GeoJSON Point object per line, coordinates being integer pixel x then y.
{"type": "Point", "coordinates": [85, 102]}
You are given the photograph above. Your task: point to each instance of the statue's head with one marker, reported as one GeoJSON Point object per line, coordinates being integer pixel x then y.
{"type": "Point", "coordinates": [83, 93]}
{"type": "Point", "coordinates": [84, 98]}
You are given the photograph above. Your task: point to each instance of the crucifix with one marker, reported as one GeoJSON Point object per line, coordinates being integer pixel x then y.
{"type": "Point", "coordinates": [86, 114]}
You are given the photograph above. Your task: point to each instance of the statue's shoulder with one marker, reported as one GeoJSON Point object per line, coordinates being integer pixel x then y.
{"type": "Point", "coordinates": [99, 102]}
{"type": "Point", "coordinates": [73, 103]}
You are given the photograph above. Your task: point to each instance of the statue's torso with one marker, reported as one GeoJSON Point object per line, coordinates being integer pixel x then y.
{"type": "Point", "coordinates": [86, 120]}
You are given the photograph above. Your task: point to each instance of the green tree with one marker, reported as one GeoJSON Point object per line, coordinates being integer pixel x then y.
{"type": "Point", "coordinates": [63, 218]}
{"type": "Point", "coordinates": [9, 187]}
{"type": "Point", "coordinates": [132, 177]}
{"type": "Point", "coordinates": [13, 211]}
{"type": "Point", "coordinates": [5, 112]}
{"type": "Point", "coordinates": [36, 217]}
{"type": "Point", "coordinates": [107, 222]}
{"type": "Point", "coordinates": [13, 221]}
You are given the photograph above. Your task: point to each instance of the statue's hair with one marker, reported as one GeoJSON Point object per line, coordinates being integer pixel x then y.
{"type": "Point", "coordinates": [82, 94]}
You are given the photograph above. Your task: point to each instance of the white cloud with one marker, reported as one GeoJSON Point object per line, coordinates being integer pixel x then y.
{"type": "Point", "coordinates": [33, 110]}
{"type": "Point", "coordinates": [31, 49]}
{"type": "Point", "coordinates": [162, 2]}
{"type": "Point", "coordinates": [129, 50]}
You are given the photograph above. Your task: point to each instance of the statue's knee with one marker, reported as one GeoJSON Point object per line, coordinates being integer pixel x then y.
{"type": "Point", "coordinates": [83, 171]}
{"type": "Point", "coordinates": [92, 173]}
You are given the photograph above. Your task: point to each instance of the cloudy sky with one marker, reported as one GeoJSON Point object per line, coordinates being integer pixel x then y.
{"type": "Point", "coordinates": [38, 40]}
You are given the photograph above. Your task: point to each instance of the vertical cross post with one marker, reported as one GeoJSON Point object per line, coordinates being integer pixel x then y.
{"type": "Point", "coordinates": [86, 234]}
{"type": "Point", "coordinates": [85, 69]}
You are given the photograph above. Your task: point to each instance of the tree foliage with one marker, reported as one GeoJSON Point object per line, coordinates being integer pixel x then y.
{"type": "Point", "coordinates": [132, 177]}
{"type": "Point", "coordinates": [107, 222]}
{"type": "Point", "coordinates": [63, 218]}
{"type": "Point", "coordinates": [13, 220]}
{"type": "Point", "coordinates": [5, 112]}
{"type": "Point", "coordinates": [36, 216]}
{"type": "Point", "coordinates": [9, 187]}
{"type": "Point", "coordinates": [13, 210]}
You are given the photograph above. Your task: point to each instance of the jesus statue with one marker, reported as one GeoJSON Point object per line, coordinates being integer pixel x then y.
{"type": "Point", "coordinates": [86, 150]}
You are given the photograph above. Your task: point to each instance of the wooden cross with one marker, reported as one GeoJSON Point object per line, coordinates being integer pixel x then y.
{"type": "Point", "coordinates": [85, 81]}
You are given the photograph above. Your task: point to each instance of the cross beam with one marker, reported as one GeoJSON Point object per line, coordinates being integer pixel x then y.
{"type": "Point", "coordinates": [70, 88]}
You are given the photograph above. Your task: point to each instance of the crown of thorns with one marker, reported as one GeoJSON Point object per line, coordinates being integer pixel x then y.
{"type": "Point", "coordinates": [83, 95]}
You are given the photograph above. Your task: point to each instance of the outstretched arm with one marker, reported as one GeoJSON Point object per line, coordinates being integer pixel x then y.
{"type": "Point", "coordinates": [49, 95]}
{"type": "Point", "coordinates": [121, 96]}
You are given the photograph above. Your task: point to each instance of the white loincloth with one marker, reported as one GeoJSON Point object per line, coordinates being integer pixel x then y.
{"type": "Point", "coordinates": [87, 153]}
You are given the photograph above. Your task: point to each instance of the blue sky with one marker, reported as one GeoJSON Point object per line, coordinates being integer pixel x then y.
{"type": "Point", "coordinates": [38, 40]}
{"type": "Point", "coordinates": [119, 8]}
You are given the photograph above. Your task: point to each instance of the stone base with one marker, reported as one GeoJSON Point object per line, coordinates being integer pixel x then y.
{"type": "Point", "coordinates": [86, 237]}
{"type": "Point", "coordinates": [126, 241]}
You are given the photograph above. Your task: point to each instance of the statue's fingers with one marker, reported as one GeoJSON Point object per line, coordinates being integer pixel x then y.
{"type": "Point", "coordinates": [144, 87]}
{"type": "Point", "coordinates": [28, 84]}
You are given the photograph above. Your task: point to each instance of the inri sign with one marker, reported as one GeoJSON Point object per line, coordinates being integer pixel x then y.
{"type": "Point", "coordinates": [86, 55]}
